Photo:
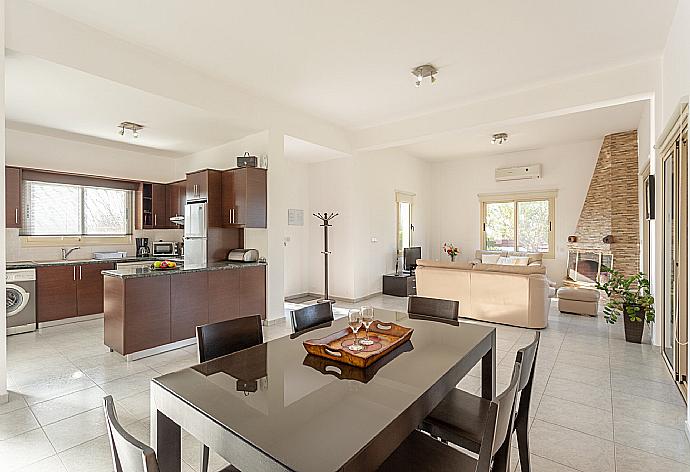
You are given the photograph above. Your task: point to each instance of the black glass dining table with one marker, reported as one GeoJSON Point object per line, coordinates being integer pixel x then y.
{"type": "Point", "coordinates": [275, 407]}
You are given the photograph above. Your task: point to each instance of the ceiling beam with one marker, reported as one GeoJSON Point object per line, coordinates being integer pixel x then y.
{"type": "Point", "coordinates": [586, 92]}
{"type": "Point", "coordinates": [39, 32]}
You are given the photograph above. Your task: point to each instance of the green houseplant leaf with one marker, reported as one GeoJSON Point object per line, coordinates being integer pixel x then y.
{"type": "Point", "coordinates": [628, 296]}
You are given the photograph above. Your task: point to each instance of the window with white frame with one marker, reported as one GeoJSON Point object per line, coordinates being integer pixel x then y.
{"type": "Point", "coordinates": [404, 204]}
{"type": "Point", "coordinates": [59, 209]}
{"type": "Point", "coordinates": [518, 222]}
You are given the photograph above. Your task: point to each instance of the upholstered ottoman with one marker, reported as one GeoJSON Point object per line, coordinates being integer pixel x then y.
{"type": "Point", "coordinates": [581, 301]}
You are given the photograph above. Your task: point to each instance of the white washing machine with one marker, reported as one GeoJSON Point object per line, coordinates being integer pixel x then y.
{"type": "Point", "coordinates": [20, 296]}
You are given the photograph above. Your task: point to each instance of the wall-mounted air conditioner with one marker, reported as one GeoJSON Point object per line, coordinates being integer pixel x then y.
{"type": "Point", "coordinates": [532, 171]}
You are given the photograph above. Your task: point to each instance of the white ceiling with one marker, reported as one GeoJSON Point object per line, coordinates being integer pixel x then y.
{"type": "Point", "coordinates": [582, 126]}
{"type": "Point", "coordinates": [349, 62]}
{"type": "Point", "coordinates": [308, 153]}
{"type": "Point", "coordinates": [48, 95]}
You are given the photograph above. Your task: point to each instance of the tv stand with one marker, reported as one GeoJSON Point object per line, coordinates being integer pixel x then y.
{"type": "Point", "coordinates": [401, 284]}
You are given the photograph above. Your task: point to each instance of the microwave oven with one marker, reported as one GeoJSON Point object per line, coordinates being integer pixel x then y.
{"type": "Point", "coordinates": [164, 248]}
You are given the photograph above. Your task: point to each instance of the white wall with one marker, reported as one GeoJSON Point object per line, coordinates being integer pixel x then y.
{"type": "Point", "coordinates": [3, 315]}
{"type": "Point", "coordinates": [675, 74]}
{"type": "Point", "coordinates": [40, 151]}
{"type": "Point", "coordinates": [567, 168]}
{"type": "Point", "coordinates": [362, 189]}
{"type": "Point", "coordinates": [297, 238]}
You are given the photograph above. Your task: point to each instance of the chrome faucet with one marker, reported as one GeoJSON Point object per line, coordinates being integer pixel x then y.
{"type": "Point", "coordinates": [67, 252]}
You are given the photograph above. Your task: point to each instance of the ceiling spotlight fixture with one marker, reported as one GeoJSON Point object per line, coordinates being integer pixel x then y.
{"type": "Point", "coordinates": [422, 72]}
{"type": "Point", "coordinates": [134, 127]}
{"type": "Point", "coordinates": [499, 138]}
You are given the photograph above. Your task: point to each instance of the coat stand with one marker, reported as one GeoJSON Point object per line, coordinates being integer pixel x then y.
{"type": "Point", "coordinates": [325, 224]}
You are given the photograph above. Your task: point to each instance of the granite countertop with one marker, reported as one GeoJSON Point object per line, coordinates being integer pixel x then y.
{"type": "Point", "coordinates": [74, 262]}
{"type": "Point", "coordinates": [133, 272]}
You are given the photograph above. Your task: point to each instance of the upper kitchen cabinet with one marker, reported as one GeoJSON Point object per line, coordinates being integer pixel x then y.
{"type": "Point", "coordinates": [13, 197]}
{"type": "Point", "coordinates": [206, 185]}
{"type": "Point", "coordinates": [152, 206]}
{"type": "Point", "coordinates": [175, 193]}
{"type": "Point", "coordinates": [244, 197]}
{"type": "Point", "coordinates": [158, 205]}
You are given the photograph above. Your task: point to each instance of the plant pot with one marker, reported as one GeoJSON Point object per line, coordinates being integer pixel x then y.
{"type": "Point", "coordinates": [633, 329]}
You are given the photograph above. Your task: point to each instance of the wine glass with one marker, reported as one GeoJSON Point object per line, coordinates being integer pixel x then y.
{"type": "Point", "coordinates": [367, 319]}
{"type": "Point", "coordinates": [354, 318]}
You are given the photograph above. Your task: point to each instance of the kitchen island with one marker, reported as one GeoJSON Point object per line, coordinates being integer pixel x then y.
{"type": "Point", "coordinates": [149, 311]}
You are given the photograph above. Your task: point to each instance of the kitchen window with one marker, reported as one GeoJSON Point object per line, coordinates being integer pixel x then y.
{"type": "Point", "coordinates": [68, 210]}
{"type": "Point", "coordinates": [518, 222]}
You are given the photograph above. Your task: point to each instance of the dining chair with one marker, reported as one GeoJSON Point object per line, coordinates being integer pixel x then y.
{"type": "Point", "coordinates": [421, 452]}
{"type": "Point", "coordinates": [128, 453]}
{"type": "Point", "coordinates": [433, 307]}
{"type": "Point", "coordinates": [311, 316]}
{"type": "Point", "coordinates": [223, 338]}
{"type": "Point", "coordinates": [457, 418]}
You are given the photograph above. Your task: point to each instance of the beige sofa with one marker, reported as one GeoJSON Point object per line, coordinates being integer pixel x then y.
{"type": "Point", "coordinates": [513, 295]}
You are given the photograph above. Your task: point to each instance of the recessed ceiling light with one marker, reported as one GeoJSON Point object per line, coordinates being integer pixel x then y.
{"type": "Point", "coordinates": [422, 72]}
{"type": "Point", "coordinates": [134, 127]}
{"type": "Point", "coordinates": [499, 138]}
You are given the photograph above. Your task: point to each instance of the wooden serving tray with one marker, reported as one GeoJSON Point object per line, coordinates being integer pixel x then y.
{"type": "Point", "coordinates": [387, 337]}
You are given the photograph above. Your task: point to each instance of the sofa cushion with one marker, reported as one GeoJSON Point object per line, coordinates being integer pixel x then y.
{"type": "Point", "coordinates": [511, 269]}
{"type": "Point", "coordinates": [444, 264]}
{"type": "Point", "coordinates": [491, 258]}
{"type": "Point", "coordinates": [532, 256]}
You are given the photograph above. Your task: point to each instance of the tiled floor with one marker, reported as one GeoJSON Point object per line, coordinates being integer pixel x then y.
{"type": "Point", "coordinates": [600, 404]}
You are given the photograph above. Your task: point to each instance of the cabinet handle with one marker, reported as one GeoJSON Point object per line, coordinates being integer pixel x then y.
{"type": "Point", "coordinates": [79, 272]}
{"type": "Point", "coordinates": [74, 273]}
{"type": "Point", "coordinates": [16, 215]}
{"type": "Point", "coordinates": [155, 220]}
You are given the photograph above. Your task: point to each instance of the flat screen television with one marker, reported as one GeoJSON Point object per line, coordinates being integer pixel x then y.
{"type": "Point", "coordinates": [410, 256]}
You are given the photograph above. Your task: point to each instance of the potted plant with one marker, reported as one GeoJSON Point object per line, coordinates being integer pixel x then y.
{"type": "Point", "coordinates": [631, 298]}
{"type": "Point", "coordinates": [451, 250]}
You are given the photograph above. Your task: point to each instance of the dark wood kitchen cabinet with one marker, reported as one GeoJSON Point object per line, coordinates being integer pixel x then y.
{"type": "Point", "coordinates": [197, 185]}
{"type": "Point", "coordinates": [56, 292]}
{"type": "Point", "coordinates": [90, 288]}
{"type": "Point", "coordinates": [13, 197]}
{"type": "Point", "coordinates": [67, 291]}
{"type": "Point", "coordinates": [188, 305]}
{"type": "Point", "coordinates": [244, 197]}
{"type": "Point", "coordinates": [175, 195]}
{"type": "Point", "coordinates": [158, 206]}
{"type": "Point", "coordinates": [253, 291]}
{"type": "Point", "coordinates": [223, 295]}
{"type": "Point", "coordinates": [206, 185]}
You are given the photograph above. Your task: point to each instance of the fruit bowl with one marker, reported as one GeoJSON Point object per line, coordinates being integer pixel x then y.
{"type": "Point", "coordinates": [164, 265]}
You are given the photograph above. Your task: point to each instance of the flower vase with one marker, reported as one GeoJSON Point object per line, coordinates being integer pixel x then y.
{"type": "Point", "coordinates": [452, 258]}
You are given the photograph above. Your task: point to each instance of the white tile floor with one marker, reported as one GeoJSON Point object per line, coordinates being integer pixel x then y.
{"type": "Point", "coordinates": [600, 404]}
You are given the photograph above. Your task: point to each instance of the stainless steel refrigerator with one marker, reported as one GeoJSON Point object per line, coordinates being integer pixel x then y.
{"type": "Point", "coordinates": [195, 234]}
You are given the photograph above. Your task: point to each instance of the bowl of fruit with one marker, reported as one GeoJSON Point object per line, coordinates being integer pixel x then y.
{"type": "Point", "coordinates": [164, 265]}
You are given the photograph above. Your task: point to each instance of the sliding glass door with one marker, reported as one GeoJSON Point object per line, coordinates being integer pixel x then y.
{"type": "Point", "coordinates": [674, 312]}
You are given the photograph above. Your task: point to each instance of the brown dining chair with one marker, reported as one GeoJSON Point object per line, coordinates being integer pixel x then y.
{"type": "Point", "coordinates": [311, 316]}
{"type": "Point", "coordinates": [457, 419]}
{"type": "Point", "coordinates": [421, 452]}
{"type": "Point", "coordinates": [223, 338]}
{"type": "Point", "coordinates": [433, 307]}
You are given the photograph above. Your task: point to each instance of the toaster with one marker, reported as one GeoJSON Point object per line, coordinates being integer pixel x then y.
{"type": "Point", "coordinates": [243, 255]}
